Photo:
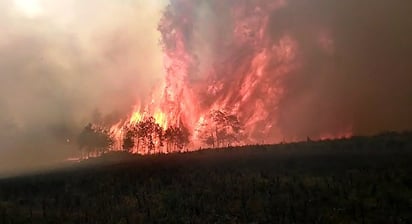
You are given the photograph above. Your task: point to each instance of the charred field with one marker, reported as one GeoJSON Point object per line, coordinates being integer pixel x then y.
{"type": "Point", "coordinates": [356, 180]}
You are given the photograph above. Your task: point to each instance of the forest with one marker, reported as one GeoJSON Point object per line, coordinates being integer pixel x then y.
{"type": "Point", "coordinates": [147, 136]}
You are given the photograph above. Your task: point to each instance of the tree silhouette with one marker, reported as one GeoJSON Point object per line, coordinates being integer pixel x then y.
{"type": "Point", "coordinates": [210, 141]}
{"type": "Point", "coordinates": [95, 140]}
{"type": "Point", "coordinates": [169, 137]}
{"type": "Point", "coordinates": [129, 138]}
{"type": "Point", "coordinates": [176, 138]}
{"type": "Point", "coordinates": [149, 136]}
{"type": "Point", "coordinates": [182, 137]}
{"type": "Point", "coordinates": [222, 129]}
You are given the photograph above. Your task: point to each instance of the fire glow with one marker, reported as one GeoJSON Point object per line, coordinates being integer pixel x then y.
{"type": "Point", "coordinates": [224, 93]}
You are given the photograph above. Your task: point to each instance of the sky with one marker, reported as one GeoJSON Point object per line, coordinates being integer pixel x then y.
{"type": "Point", "coordinates": [62, 62]}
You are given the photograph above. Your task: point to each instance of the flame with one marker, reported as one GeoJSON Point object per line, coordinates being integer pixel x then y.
{"type": "Point", "coordinates": [161, 119]}
{"type": "Point", "coordinates": [244, 79]}
{"type": "Point", "coordinates": [136, 117]}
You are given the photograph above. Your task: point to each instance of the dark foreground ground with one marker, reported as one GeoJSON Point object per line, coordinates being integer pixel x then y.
{"type": "Point", "coordinates": [361, 180]}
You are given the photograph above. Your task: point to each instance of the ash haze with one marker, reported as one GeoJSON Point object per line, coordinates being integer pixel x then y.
{"type": "Point", "coordinates": [61, 61]}
{"type": "Point", "coordinates": [364, 79]}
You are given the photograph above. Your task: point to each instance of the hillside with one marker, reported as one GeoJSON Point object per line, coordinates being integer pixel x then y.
{"type": "Point", "coordinates": [357, 180]}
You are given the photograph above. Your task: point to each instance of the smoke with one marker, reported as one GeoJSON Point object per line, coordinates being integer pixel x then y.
{"type": "Point", "coordinates": [64, 62]}
{"type": "Point", "coordinates": [355, 68]}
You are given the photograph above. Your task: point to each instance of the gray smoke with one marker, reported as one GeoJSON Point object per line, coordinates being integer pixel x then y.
{"type": "Point", "coordinates": [64, 62]}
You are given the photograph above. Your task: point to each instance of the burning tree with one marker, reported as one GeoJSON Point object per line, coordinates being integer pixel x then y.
{"type": "Point", "coordinates": [129, 141]}
{"type": "Point", "coordinates": [147, 137]}
{"type": "Point", "coordinates": [222, 129]}
{"type": "Point", "coordinates": [176, 138]}
{"type": "Point", "coordinates": [150, 135]}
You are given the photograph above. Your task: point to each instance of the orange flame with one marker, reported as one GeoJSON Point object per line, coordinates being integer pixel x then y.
{"type": "Point", "coordinates": [244, 80]}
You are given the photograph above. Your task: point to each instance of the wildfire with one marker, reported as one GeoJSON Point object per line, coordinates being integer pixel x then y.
{"type": "Point", "coordinates": [159, 117]}
{"type": "Point", "coordinates": [228, 94]}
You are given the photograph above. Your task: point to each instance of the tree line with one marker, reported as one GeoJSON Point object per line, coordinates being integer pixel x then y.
{"type": "Point", "coordinates": [144, 137]}
{"type": "Point", "coordinates": [148, 137]}
{"type": "Point", "coordinates": [221, 129]}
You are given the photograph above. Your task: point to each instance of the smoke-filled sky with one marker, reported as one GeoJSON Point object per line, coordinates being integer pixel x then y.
{"type": "Point", "coordinates": [62, 61]}
{"type": "Point", "coordinates": [367, 78]}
